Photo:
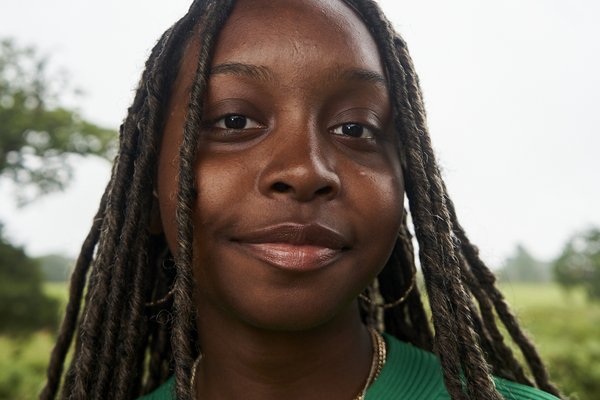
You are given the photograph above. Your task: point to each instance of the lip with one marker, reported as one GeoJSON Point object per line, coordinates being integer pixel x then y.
{"type": "Point", "coordinates": [294, 247]}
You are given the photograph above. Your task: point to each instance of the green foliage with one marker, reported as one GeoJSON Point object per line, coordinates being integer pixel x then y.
{"type": "Point", "coordinates": [566, 330]}
{"type": "Point", "coordinates": [36, 134]}
{"type": "Point", "coordinates": [24, 359]}
{"type": "Point", "coordinates": [56, 268]}
{"type": "Point", "coordinates": [23, 364]}
{"type": "Point", "coordinates": [24, 307]}
{"type": "Point", "coordinates": [58, 291]}
{"type": "Point", "coordinates": [579, 263]}
{"type": "Point", "coordinates": [523, 267]}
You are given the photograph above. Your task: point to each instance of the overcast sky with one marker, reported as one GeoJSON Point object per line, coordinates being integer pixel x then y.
{"type": "Point", "coordinates": [512, 91]}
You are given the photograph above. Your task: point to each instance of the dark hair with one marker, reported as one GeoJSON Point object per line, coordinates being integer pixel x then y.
{"type": "Point", "coordinates": [138, 300]}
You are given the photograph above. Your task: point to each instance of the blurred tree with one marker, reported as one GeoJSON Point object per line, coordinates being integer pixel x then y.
{"type": "Point", "coordinates": [523, 267]}
{"type": "Point", "coordinates": [23, 305]}
{"type": "Point", "coordinates": [37, 134]}
{"type": "Point", "coordinates": [579, 263]}
{"type": "Point", "coordinates": [38, 137]}
{"type": "Point", "coordinates": [55, 267]}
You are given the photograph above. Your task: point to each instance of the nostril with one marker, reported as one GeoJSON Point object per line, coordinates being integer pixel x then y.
{"type": "Point", "coordinates": [280, 187]}
{"type": "Point", "coordinates": [324, 190]}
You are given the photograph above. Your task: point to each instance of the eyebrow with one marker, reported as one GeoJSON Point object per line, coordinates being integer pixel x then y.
{"type": "Point", "coordinates": [263, 73]}
{"type": "Point", "coordinates": [359, 74]}
{"type": "Point", "coordinates": [258, 72]}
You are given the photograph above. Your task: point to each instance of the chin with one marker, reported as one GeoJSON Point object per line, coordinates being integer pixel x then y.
{"type": "Point", "coordinates": [291, 321]}
{"type": "Point", "coordinates": [292, 314]}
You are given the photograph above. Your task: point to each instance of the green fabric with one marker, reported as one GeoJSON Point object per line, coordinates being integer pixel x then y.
{"type": "Point", "coordinates": [166, 391]}
{"type": "Point", "coordinates": [409, 373]}
{"type": "Point", "coordinates": [412, 373]}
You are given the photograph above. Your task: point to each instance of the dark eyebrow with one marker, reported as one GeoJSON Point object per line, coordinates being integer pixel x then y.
{"type": "Point", "coordinates": [359, 74]}
{"type": "Point", "coordinates": [258, 72]}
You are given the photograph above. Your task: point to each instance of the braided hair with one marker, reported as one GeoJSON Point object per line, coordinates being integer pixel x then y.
{"type": "Point", "coordinates": [138, 297]}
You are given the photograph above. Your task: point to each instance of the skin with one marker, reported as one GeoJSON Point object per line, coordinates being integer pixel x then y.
{"type": "Point", "coordinates": [270, 332]}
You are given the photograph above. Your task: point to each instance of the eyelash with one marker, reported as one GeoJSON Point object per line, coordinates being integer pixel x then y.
{"type": "Point", "coordinates": [223, 120]}
{"type": "Point", "coordinates": [338, 130]}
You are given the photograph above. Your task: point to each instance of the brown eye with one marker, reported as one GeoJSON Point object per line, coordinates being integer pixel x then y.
{"type": "Point", "coordinates": [236, 122]}
{"type": "Point", "coordinates": [354, 130]}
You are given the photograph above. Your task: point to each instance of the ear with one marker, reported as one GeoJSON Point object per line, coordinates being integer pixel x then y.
{"type": "Point", "coordinates": [155, 226]}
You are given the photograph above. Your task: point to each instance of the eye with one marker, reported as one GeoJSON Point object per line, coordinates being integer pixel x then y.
{"type": "Point", "coordinates": [354, 130]}
{"type": "Point", "coordinates": [236, 122]}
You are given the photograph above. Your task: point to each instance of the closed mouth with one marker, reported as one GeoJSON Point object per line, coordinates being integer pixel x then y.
{"type": "Point", "coordinates": [294, 247]}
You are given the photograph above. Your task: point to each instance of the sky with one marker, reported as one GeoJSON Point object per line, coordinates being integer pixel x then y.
{"type": "Point", "coordinates": [511, 88]}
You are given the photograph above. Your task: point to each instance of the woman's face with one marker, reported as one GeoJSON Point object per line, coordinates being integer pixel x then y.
{"type": "Point", "coordinates": [300, 191]}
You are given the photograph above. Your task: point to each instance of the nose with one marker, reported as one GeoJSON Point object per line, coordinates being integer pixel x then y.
{"type": "Point", "coordinates": [300, 167]}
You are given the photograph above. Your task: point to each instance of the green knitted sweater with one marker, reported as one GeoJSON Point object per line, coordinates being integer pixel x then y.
{"type": "Point", "coordinates": [409, 373]}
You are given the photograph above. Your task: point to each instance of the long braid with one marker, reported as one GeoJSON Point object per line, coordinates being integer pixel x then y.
{"type": "Point", "coordinates": [158, 312]}
{"type": "Point", "coordinates": [505, 362]}
{"type": "Point", "coordinates": [407, 321]}
{"type": "Point", "coordinates": [88, 345]}
{"type": "Point", "coordinates": [152, 122]}
{"type": "Point", "coordinates": [183, 325]}
{"type": "Point", "coordinates": [65, 336]}
{"type": "Point", "coordinates": [414, 323]}
{"type": "Point", "coordinates": [433, 250]}
{"type": "Point", "coordinates": [472, 318]}
{"type": "Point", "coordinates": [487, 345]}
{"type": "Point", "coordinates": [471, 359]}
{"type": "Point", "coordinates": [159, 329]}
{"type": "Point", "coordinates": [149, 122]}
{"type": "Point", "coordinates": [134, 229]}
{"type": "Point", "coordinates": [499, 355]}
{"type": "Point", "coordinates": [486, 279]}
{"type": "Point", "coordinates": [103, 311]}
{"type": "Point", "coordinates": [131, 321]}
{"type": "Point", "coordinates": [135, 326]}
{"type": "Point", "coordinates": [159, 351]}
{"type": "Point", "coordinates": [76, 383]}
{"type": "Point", "coordinates": [120, 273]}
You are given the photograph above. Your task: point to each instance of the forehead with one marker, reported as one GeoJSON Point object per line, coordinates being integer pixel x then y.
{"type": "Point", "coordinates": [298, 32]}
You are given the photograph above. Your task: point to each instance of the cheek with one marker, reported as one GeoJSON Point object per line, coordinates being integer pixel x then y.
{"type": "Point", "coordinates": [219, 190]}
{"type": "Point", "coordinates": [378, 194]}
{"type": "Point", "coordinates": [378, 206]}
{"type": "Point", "coordinates": [222, 184]}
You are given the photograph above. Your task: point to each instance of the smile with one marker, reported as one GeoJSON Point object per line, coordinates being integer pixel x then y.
{"type": "Point", "coordinates": [294, 247]}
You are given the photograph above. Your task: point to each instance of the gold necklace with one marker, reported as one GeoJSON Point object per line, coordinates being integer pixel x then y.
{"type": "Point", "coordinates": [377, 363]}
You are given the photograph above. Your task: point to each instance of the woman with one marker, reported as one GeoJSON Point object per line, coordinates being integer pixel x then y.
{"type": "Point", "coordinates": [253, 242]}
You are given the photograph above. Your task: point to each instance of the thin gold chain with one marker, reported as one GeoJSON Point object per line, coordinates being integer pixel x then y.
{"type": "Point", "coordinates": [377, 363]}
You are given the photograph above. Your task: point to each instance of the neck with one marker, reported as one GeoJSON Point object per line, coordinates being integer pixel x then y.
{"type": "Point", "coordinates": [331, 360]}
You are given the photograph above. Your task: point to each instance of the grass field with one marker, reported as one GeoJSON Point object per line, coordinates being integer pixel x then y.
{"type": "Point", "coordinates": [565, 327]}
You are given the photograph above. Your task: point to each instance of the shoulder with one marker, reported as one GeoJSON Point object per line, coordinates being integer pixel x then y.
{"type": "Point", "coordinates": [163, 392]}
{"type": "Point", "coordinates": [414, 373]}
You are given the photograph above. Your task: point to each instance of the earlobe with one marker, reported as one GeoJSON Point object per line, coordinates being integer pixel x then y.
{"type": "Point", "coordinates": [155, 224]}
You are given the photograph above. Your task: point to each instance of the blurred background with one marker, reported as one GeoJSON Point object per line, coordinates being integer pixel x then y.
{"type": "Point", "coordinates": [512, 91]}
